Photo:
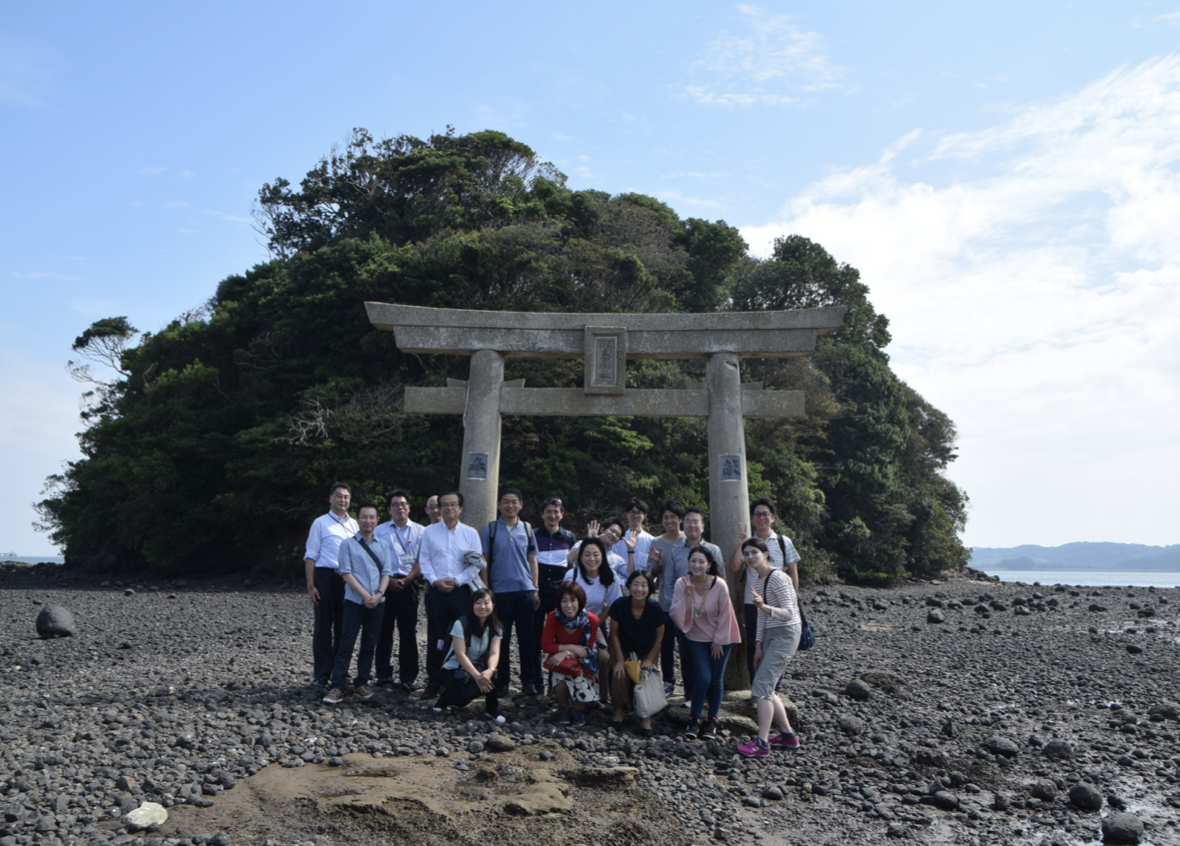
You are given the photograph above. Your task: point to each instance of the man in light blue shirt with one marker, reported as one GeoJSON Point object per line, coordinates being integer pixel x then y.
{"type": "Point", "coordinates": [366, 566]}
{"type": "Point", "coordinates": [401, 600]}
{"type": "Point", "coordinates": [511, 553]}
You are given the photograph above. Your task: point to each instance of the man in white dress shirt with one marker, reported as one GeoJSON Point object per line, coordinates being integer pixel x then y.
{"type": "Point", "coordinates": [325, 588]}
{"type": "Point", "coordinates": [448, 580]}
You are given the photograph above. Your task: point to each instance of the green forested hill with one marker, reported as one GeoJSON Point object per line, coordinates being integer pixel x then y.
{"type": "Point", "coordinates": [214, 447]}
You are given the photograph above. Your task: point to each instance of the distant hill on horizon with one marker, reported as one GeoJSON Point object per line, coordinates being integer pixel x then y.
{"type": "Point", "coordinates": [1132, 557]}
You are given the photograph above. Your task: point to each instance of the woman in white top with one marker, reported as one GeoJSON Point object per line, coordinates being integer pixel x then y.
{"type": "Point", "coordinates": [602, 588]}
{"type": "Point", "coordinates": [774, 642]}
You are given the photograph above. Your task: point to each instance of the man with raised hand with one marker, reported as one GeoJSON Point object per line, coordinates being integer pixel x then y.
{"type": "Point", "coordinates": [325, 588]}
{"type": "Point", "coordinates": [443, 558]}
{"type": "Point", "coordinates": [366, 565]}
{"type": "Point", "coordinates": [511, 553]}
{"type": "Point", "coordinates": [401, 598]}
{"type": "Point", "coordinates": [635, 512]}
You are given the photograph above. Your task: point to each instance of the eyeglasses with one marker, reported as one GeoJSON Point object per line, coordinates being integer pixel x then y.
{"type": "Point", "coordinates": [399, 505]}
{"type": "Point", "coordinates": [448, 505]}
{"type": "Point", "coordinates": [763, 514]}
{"type": "Point", "coordinates": [552, 501]}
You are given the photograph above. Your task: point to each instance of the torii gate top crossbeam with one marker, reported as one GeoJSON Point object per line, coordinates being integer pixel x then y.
{"type": "Point", "coordinates": [754, 334]}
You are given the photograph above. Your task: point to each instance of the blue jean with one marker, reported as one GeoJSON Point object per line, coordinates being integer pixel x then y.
{"type": "Point", "coordinates": [515, 610]}
{"type": "Point", "coordinates": [367, 623]}
{"type": "Point", "coordinates": [708, 676]}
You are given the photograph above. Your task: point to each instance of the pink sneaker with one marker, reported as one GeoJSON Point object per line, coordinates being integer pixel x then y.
{"type": "Point", "coordinates": [754, 748]}
{"type": "Point", "coordinates": [785, 740]}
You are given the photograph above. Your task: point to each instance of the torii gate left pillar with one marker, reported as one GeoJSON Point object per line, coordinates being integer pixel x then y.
{"type": "Point", "coordinates": [605, 342]}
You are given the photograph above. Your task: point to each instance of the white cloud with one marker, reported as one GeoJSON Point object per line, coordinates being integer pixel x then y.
{"type": "Point", "coordinates": [770, 61]}
{"type": "Point", "coordinates": [1033, 295]}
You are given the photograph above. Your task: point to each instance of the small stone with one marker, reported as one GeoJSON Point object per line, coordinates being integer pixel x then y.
{"type": "Point", "coordinates": [1058, 750]}
{"type": "Point", "coordinates": [149, 815]}
{"type": "Point", "coordinates": [499, 743]}
{"type": "Point", "coordinates": [1122, 829]}
{"type": "Point", "coordinates": [129, 592]}
{"type": "Point", "coordinates": [1003, 746]}
{"type": "Point", "coordinates": [945, 800]}
{"type": "Point", "coordinates": [1043, 789]}
{"type": "Point", "coordinates": [936, 616]}
{"type": "Point", "coordinates": [1085, 797]}
{"type": "Point", "coordinates": [772, 793]}
{"type": "Point", "coordinates": [858, 690]}
{"type": "Point", "coordinates": [1134, 648]}
{"type": "Point", "coordinates": [55, 621]}
{"type": "Point", "coordinates": [475, 747]}
{"type": "Point", "coordinates": [851, 725]}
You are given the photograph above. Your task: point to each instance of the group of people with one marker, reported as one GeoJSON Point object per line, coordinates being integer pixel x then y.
{"type": "Point", "coordinates": [592, 618]}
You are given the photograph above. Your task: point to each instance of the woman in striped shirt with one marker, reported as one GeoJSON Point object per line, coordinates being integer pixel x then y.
{"type": "Point", "coordinates": [776, 640]}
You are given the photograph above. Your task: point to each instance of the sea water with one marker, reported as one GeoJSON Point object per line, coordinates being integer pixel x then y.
{"type": "Point", "coordinates": [33, 559]}
{"type": "Point", "coordinates": [1089, 578]}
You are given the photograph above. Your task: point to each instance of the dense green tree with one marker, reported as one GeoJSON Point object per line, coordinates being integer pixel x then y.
{"type": "Point", "coordinates": [214, 441]}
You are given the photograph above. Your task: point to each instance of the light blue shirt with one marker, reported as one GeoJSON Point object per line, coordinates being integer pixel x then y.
{"type": "Point", "coordinates": [404, 542]}
{"type": "Point", "coordinates": [510, 570]}
{"type": "Point", "coordinates": [354, 559]}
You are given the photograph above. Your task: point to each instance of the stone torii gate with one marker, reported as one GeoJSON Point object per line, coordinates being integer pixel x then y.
{"type": "Point", "coordinates": [605, 342]}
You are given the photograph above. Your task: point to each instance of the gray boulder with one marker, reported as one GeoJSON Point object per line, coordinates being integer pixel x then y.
{"type": "Point", "coordinates": [1122, 829]}
{"type": "Point", "coordinates": [1058, 750]}
{"type": "Point", "coordinates": [55, 621]}
{"type": "Point", "coordinates": [1085, 797]}
{"type": "Point", "coordinates": [935, 616]}
{"type": "Point", "coordinates": [1043, 788]}
{"type": "Point", "coordinates": [858, 690]}
{"type": "Point", "coordinates": [1003, 746]}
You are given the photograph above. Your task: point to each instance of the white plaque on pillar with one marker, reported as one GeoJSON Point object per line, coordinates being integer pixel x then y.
{"type": "Point", "coordinates": [606, 360]}
{"type": "Point", "coordinates": [731, 467]}
{"type": "Point", "coordinates": [477, 465]}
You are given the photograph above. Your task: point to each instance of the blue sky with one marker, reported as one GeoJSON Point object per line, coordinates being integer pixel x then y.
{"type": "Point", "coordinates": [1004, 175]}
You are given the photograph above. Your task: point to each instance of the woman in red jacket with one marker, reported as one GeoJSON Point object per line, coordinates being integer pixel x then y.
{"type": "Point", "coordinates": [568, 640]}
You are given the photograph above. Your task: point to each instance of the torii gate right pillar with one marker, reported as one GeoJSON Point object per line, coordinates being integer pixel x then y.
{"type": "Point", "coordinates": [729, 496]}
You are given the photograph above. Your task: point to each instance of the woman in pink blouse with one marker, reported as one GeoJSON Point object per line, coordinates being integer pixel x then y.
{"type": "Point", "coordinates": [701, 608]}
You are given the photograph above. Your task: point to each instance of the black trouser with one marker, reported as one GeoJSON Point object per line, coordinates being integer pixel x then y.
{"type": "Point", "coordinates": [674, 638]}
{"type": "Point", "coordinates": [515, 610]}
{"type": "Point", "coordinates": [442, 610]}
{"type": "Point", "coordinates": [401, 612]}
{"type": "Point", "coordinates": [329, 620]}
{"type": "Point", "coordinates": [458, 692]}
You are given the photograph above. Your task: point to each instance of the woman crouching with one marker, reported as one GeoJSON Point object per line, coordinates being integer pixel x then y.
{"type": "Point", "coordinates": [568, 640]}
{"type": "Point", "coordinates": [471, 663]}
{"type": "Point", "coordinates": [636, 632]}
{"type": "Point", "coordinates": [777, 638]}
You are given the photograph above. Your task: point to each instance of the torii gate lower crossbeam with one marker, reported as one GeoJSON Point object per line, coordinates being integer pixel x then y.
{"type": "Point", "coordinates": [606, 341]}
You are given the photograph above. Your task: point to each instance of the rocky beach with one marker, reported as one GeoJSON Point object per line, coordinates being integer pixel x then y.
{"type": "Point", "coordinates": [960, 711]}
